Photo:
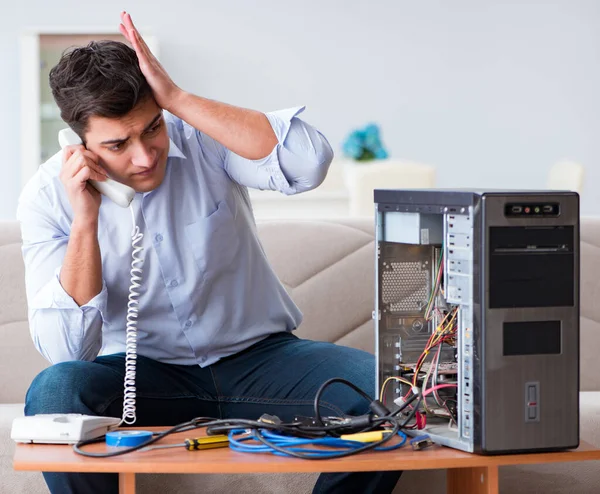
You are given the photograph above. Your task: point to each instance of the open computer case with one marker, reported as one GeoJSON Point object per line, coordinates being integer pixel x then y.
{"type": "Point", "coordinates": [477, 306]}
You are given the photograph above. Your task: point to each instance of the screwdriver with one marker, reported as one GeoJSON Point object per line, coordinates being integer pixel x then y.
{"type": "Point", "coordinates": [197, 443]}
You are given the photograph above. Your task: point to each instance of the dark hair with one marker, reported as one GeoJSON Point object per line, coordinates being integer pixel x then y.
{"type": "Point", "coordinates": [101, 79]}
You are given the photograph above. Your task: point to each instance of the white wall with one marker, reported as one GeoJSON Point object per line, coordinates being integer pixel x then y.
{"type": "Point", "coordinates": [492, 92]}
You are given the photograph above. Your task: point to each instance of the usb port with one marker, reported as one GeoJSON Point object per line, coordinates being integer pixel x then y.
{"type": "Point", "coordinates": [516, 209]}
{"type": "Point", "coordinates": [548, 209]}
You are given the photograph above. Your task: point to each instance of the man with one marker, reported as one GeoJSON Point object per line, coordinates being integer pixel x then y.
{"type": "Point", "coordinates": [215, 324]}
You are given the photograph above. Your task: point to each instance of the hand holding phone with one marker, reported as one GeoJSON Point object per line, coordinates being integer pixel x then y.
{"type": "Point", "coordinates": [119, 193]}
{"type": "Point", "coordinates": [78, 166]}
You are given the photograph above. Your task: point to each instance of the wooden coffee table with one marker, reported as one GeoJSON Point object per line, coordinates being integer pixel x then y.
{"type": "Point", "coordinates": [467, 473]}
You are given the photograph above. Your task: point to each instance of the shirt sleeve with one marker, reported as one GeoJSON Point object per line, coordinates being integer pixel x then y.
{"type": "Point", "coordinates": [298, 163]}
{"type": "Point", "coordinates": [61, 330]}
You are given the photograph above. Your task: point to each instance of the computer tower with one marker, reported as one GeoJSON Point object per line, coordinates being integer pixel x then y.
{"type": "Point", "coordinates": [477, 304]}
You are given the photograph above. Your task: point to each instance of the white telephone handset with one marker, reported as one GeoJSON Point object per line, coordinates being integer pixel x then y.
{"type": "Point", "coordinates": [119, 193]}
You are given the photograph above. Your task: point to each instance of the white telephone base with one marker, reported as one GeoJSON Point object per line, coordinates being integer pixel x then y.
{"type": "Point", "coordinates": [60, 428]}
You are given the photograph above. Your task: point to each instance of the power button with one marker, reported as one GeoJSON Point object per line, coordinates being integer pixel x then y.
{"type": "Point", "coordinates": [532, 401]}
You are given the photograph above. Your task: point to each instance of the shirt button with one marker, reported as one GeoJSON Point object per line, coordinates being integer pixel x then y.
{"type": "Point", "coordinates": [174, 283]}
{"type": "Point", "coordinates": [188, 323]}
{"type": "Point", "coordinates": [202, 359]}
{"type": "Point", "coordinates": [159, 237]}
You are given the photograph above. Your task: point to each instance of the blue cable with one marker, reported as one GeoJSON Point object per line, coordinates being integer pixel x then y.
{"type": "Point", "coordinates": [293, 443]}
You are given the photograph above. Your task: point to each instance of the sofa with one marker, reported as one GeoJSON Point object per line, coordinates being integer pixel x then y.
{"type": "Point", "coordinates": [328, 268]}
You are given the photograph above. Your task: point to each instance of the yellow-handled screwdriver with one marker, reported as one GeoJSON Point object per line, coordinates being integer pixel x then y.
{"type": "Point", "coordinates": [197, 443]}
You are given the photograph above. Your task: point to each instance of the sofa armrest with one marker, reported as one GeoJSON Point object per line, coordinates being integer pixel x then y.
{"type": "Point", "coordinates": [590, 303]}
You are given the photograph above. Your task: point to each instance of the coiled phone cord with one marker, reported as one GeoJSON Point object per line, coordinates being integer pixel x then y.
{"type": "Point", "coordinates": [137, 261]}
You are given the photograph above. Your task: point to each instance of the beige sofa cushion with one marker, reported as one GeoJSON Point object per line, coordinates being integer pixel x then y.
{"type": "Point", "coordinates": [590, 303]}
{"type": "Point", "coordinates": [328, 268]}
{"type": "Point", "coordinates": [19, 360]}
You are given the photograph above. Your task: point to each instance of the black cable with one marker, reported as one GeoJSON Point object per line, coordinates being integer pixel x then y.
{"type": "Point", "coordinates": [297, 428]}
{"type": "Point", "coordinates": [412, 398]}
{"type": "Point", "coordinates": [413, 411]}
{"type": "Point", "coordinates": [184, 426]}
{"type": "Point", "coordinates": [318, 418]}
{"type": "Point", "coordinates": [285, 428]}
{"type": "Point", "coordinates": [77, 447]}
{"type": "Point", "coordinates": [347, 424]}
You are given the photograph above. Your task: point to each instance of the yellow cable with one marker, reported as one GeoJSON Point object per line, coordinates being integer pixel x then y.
{"type": "Point", "coordinates": [365, 437]}
{"type": "Point", "coordinates": [440, 331]}
{"type": "Point", "coordinates": [383, 386]}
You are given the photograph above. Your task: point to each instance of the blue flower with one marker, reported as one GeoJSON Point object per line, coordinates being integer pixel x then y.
{"type": "Point", "coordinates": [364, 144]}
{"type": "Point", "coordinates": [381, 154]}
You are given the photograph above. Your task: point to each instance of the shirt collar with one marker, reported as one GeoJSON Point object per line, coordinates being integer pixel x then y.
{"type": "Point", "coordinates": [174, 151]}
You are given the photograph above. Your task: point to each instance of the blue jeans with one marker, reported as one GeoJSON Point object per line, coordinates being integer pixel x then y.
{"type": "Point", "coordinates": [279, 375]}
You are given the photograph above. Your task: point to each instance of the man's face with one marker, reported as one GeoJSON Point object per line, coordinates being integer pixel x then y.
{"type": "Point", "coordinates": [132, 149]}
